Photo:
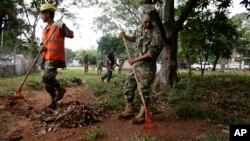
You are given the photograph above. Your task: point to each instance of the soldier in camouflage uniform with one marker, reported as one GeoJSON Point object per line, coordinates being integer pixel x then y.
{"type": "Point", "coordinates": [148, 47]}
{"type": "Point", "coordinates": [53, 50]}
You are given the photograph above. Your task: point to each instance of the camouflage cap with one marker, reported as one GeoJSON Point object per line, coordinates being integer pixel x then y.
{"type": "Point", "coordinates": [147, 8]}
{"type": "Point", "coordinates": [147, 17]}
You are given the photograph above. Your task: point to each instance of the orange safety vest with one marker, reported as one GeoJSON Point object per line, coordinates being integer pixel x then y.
{"type": "Point", "coordinates": [54, 49]}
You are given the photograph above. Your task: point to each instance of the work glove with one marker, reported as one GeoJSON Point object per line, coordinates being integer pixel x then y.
{"type": "Point", "coordinates": [41, 49]}
{"type": "Point", "coordinates": [42, 65]}
{"type": "Point", "coordinates": [122, 34]}
{"type": "Point", "coordinates": [59, 23]}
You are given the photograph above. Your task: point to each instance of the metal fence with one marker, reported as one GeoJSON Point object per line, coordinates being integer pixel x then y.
{"type": "Point", "coordinates": [9, 68]}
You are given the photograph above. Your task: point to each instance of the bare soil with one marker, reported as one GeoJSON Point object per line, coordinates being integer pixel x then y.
{"type": "Point", "coordinates": [14, 123]}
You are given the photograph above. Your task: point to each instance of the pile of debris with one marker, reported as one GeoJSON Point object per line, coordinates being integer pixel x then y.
{"type": "Point", "coordinates": [69, 115]}
{"type": "Point", "coordinates": [74, 81]}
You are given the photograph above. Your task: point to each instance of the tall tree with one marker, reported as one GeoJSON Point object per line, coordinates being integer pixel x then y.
{"type": "Point", "coordinates": [242, 45]}
{"type": "Point", "coordinates": [170, 28]}
{"type": "Point", "coordinates": [70, 55]}
{"type": "Point", "coordinates": [90, 54]}
{"type": "Point", "coordinates": [246, 3]}
{"type": "Point", "coordinates": [168, 72]}
{"type": "Point", "coordinates": [124, 12]}
{"type": "Point", "coordinates": [107, 42]}
{"type": "Point", "coordinates": [8, 17]}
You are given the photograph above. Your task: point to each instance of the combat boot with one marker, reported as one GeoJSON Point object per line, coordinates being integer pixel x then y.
{"type": "Point", "coordinates": [59, 94]}
{"type": "Point", "coordinates": [140, 118]}
{"type": "Point", "coordinates": [128, 113]}
{"type": "Point", "coordinates": [53, 103]}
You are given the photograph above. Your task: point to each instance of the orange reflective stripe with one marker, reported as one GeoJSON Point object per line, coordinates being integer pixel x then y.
{"type": "Point", "coordinates": [55, 45]}
{"type": "Point", "coordinates": [56, 41]}
{"type": "Point", "coordinates": [56, 50]}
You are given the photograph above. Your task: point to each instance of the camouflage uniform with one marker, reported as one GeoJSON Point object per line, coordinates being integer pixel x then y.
{"type": "Point", "coordinates": [146, 42]}
{"type": "Point", "coordinates": [49, 75]}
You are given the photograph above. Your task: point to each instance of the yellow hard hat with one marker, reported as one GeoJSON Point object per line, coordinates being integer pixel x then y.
{"type": "Point", "coordinates": [47, 6]}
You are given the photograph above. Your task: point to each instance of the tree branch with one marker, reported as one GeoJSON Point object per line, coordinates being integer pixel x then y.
{"type": "Point", "coordinates": [188, 8]}
{"type": "Point", "coordinates": [26, 14]}
{"type": "Point", "coordinates": [160, 26]}
{"type": "Point", "coordinates": [130, 12]}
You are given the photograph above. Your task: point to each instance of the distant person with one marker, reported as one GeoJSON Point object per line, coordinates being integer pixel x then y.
{"type": "Point", "coordinates": [110, 65]}
{"type": "Point", "coordinates": [53, 52]}
{"type": "Point", "coordinates": [86, 65]}
{"type": "Point", "coordinates": [121, 62]}
{"type": "Point", "coordinates": [99, 67]}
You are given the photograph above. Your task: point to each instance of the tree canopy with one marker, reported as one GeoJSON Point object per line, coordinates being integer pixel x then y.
{"type": "Point", "coordinates": [106, 43]}
{"type": "Point", "coordinates": [209, 36]}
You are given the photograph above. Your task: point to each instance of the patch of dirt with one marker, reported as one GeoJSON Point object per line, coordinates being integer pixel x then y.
{"type": "Point", "coordinates": [15, 122]}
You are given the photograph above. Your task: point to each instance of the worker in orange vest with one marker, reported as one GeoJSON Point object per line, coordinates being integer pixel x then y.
{"type": "Point", "coordinates": [53, 50]}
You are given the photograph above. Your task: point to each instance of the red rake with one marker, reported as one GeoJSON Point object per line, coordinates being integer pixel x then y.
{"type": "Point", "coordinates": [149, 128]}
{"type": "Point", "coordinates": [18, 94]}
{"type": "Point", "coordinates": [148, 124]}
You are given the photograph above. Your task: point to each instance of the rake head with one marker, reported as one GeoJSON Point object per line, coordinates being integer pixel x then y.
{"type": "Point", "coordinates": [18, 95]}
{"type": "Point", "coordinates": [149, 128]}
{"type": "Point", "coordinates": [148, 124]}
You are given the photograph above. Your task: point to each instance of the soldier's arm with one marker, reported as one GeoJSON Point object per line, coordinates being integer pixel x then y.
{"type": "Point", "coordinates": [127, 37]}
{"type": "Point", "coordinates": [66, 32]}
{"type": "Point", "coordinates": [156, 46]}
{"type": "Point", "coordinates": [143, 57]}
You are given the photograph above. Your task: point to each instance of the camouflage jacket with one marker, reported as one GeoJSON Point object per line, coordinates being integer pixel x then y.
{"type": "Point", "coordinates": [148, 42]}
{"type": "Point", "coordinates": [52, 64]}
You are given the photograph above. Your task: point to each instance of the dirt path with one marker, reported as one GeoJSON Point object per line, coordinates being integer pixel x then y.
{"type": "Point", "coordinates": [15, 124]}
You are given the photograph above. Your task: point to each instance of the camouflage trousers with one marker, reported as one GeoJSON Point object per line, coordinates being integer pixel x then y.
{"type": "Point", "coordinates": [145, 76]}
{"type": "Point", "coordinates": [49, 81]}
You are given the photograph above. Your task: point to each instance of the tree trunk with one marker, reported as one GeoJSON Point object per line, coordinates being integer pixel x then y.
{"type": "Point", "coordinates": [185, 46]}
{"type": "Point", "coordinates": [1, 30]}
{"type": "Point", "coordinates": [167, 75]}
{"type": "Point", "coordinates": [202, 72]}
{"type": "Point", "coordinates": [30, 48]}
{"type": "Point", "coordinates": [215, 63]}
{"type": "Point", "coordinates": [14, 58]}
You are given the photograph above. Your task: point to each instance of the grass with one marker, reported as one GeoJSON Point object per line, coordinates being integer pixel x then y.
{"type": "Point", "coordinates": [95, 133]}
{"type": "Point", "coordinates": [91, 134]}
{"type": "Point", "coordinates": [186, 109]}
{"type": "Point", "coordinates": [216, 97]}
{"type": "Point", "coordinates": [146, 138]}
{"type": "Point", "coordinates": [9, 85]}
{"type": "Point", "coordinates": [215, 137]}
{"type": "Point", "coordinates": [112, 90]}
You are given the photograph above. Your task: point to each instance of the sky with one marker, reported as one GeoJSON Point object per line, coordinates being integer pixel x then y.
{"type": "Point", "coordinates": [86, 37]}
{"type": "Point", "coordinates": [237, 8]}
